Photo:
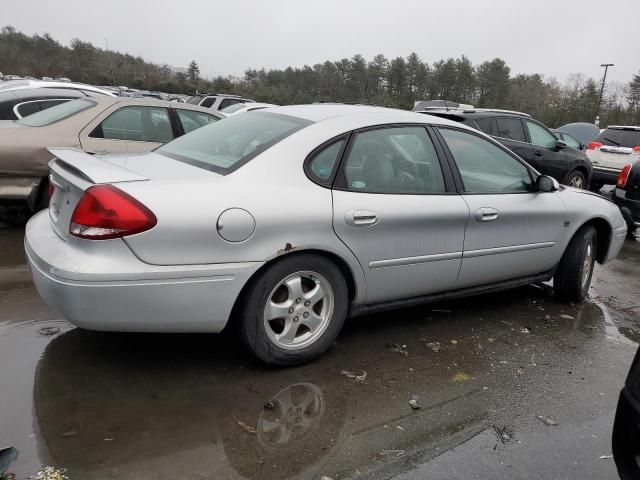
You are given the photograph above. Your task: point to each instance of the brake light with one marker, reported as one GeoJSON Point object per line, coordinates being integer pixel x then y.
{"type": "Point", "coordinates": [105, 211]}
{"type": "Point", "coordinates": [636, 149]}
{"type": "Point", "coordinates": [51, 189]}
{"type": "Point", "coordinates": [623, 177]}
{"type": "Point", "coordinates": [594, 145]}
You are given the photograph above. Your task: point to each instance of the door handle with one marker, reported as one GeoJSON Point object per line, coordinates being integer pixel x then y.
{"type": "Point", "coordinates": [360, 218]}
{"type": "Point", "coordinates": [487, 214]}
{"type": "Point", "coordinates": [537, 153]}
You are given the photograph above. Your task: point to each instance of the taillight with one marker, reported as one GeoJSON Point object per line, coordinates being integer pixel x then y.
{"type": "Point", "coordinates": [594, 145]}
{"type": "Point", "coordinates": [636, 149]}
{"type": "Point", "coordinates": [105, 211]}
{"type": "Point", "coordinates": [624, 176]}
{"type": "Point", "coordinates": [51, 189]}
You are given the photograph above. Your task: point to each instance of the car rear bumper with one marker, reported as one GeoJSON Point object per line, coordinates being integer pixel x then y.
{"type": "Point", "coordinates": [626, 436]}
{"type": "Point", "coordinates": [630, 208]}
{"type": "Point", "coordinates": [17, 189]}
{"type": "Point", "coordinates": [101, 285]}
{"type": "Point", "coordinates": [607, 176]}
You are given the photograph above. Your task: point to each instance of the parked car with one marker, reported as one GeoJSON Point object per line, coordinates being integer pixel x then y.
{"type": "Point", "coordinates": [15, 104]}
{"type": "Point", "coordinates": [615, 147]}
{"type": "Point", "coordinates": [568, 139]}
{"type": "Point", "coordinates": [288, 219]}
{"type": "Point", "coordinates": [30, 84]}
{"type": "Point", "coordinates": [626, 428]}
{"type": "Point", "coordinates": [244, 107]}
{"type": "Point", "coordinates": [529, 139]}
{"type": "Point", "coordinates": [581, 131]}
{"type": "Point", "coordinates": [627, 195]}
{"type": "Point", "coordinates": [96, 125]}
{"type": "Point", "coordinates": [216, 101]}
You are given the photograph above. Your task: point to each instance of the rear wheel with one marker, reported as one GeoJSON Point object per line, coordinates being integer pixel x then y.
{"type": "Point", "coordinates": [294, 310]}
{"type": "Point", "coordinates": [576, 179]}
{"type": "Point", "coordinates": [573, 276]}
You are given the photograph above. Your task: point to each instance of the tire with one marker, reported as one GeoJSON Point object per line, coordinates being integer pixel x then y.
{"type": "Point", "coordinates": [309, 323]}
{"type": "Point", "coordinates": [573, 276]}
{"type": "Point", "coordinates": [576, 179]}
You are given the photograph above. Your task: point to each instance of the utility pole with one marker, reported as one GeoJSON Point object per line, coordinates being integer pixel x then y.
{"type": "Point", "coordinates": [604, 79]}
{"type": "Point", "coordinates": [113, 75]}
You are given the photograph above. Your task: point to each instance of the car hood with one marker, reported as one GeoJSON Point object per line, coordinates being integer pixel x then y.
{"type": "Point", "coordinates": [583, 132]}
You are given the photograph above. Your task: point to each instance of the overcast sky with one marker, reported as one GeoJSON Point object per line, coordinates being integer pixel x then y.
{"type": "Point", "coordinates": [553, 37]}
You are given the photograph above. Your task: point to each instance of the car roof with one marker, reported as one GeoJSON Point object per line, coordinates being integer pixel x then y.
{"type": "Point", "coordinates": [40, 93]}
{"type": "Point", "coordinates": [360, 116]}
{"type": "Point", "coordinates": [23, 84]}
{"type": "Point", "coordinates": [152, 102]}
{"type": "Point", "coordinates": [624, 127]}
{"type": "Point", "coordinates": [474, 112]}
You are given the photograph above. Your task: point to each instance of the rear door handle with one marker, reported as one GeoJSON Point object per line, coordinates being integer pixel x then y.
{"type": "Point", "coordinates": [487, 214]}
{"type": "Point", "coordinates": [537, 153]}
{"type": "Point", "coordinates": [360, 218]}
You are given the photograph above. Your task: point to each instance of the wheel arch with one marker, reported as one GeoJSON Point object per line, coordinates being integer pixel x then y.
{"type": "Point", "coordinates": [604, 232]}
{"type": "Point", "coordinates": [341, 263]}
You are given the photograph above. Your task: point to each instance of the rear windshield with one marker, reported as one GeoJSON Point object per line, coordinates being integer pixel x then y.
{"type": "Point", "coordinates": [57, 113]}
{"type": "Point", "coordinates": [618, 137]}
{"type": "Point", "coordinates": [226, 145]}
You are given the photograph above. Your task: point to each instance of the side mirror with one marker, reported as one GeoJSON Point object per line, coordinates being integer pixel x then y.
{"type": "Point", "coordinates": [560, 145]}
{"type": "Point", "coordinates": [545, 183]}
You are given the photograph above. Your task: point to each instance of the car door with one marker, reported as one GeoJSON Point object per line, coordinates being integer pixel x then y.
{"type": "Point", "coordinates": [544, 155]}
{"type": "Point", "coordinates": [128, 129]}
{"type": "Point", "coordinates": [513, 231]}
{"type": "Point", "coordinates": [395, 208]}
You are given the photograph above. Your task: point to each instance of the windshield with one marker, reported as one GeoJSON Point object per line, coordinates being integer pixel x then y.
{"type": "Point", "coordinates": [619, 137]}
{"type": "Point", "coordinates": [226, 145]}
{"type": "Point", "coordinates": [57, 113]}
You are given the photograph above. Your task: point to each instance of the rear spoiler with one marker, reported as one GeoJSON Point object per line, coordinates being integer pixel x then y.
{"type": "Point", "coordinates": [91, 168]}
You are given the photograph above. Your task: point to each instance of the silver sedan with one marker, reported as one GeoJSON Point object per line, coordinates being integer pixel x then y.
{"type": "Point", "coordinates": [287, 220]}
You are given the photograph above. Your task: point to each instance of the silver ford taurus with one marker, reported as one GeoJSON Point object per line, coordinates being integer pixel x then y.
{"type": "Point", "coordinates": [287, 220]}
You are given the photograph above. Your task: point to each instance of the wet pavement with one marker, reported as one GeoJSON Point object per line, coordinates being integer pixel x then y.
{"type": "Point", "coordinates": [509, 385]}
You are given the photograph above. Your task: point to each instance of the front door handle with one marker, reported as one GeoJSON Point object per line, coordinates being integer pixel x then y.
{"type": "Point", "coordinates": [486, 214]}
{"type": "Point", "coordinates": [537, 153]}
{"type": "Point", "coordinates": [360, 218]}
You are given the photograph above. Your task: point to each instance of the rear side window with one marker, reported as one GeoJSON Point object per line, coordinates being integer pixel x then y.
{"type": "Point", "coordinates": [618, 137]}
{"type": "Point", "coordinates": [142, 124]}
{"type": "Point", "coordinates": [193, 120]}
{"type": "Point", "coordinates": [225, 146]}
{"type": "Point", "coordinates": [227, 102]}
{"type": "Point", "coordinates": [207, 102]}
{"type": "Point", "coordinates": [488, 125]}
{"type": "Point", "coordinates": [511, 128]}
{"type": "Point", "coordinates": [395, 160]}
{"type": "Point", "coordinates": [323, 162]}
{"type": "Point", "coordinates": [233, 108]}
{"type": "Point", "coordinates": [57, 113]}
{"type": "Point", "coordinates": [484, 167]}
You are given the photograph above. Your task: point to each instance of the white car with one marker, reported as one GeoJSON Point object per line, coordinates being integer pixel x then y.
{"type": "Point", "coordinates": [26, 84]}
{"type": "Point", "coordinates": [244, 107]}
{"type": "Point", "coordinates": [216, 101]}
{"type": "Point", "coordinates": [609, 152]}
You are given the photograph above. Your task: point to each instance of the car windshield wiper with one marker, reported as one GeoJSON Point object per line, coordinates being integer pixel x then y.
{"type": "Point", "coordinates": [612, 141]}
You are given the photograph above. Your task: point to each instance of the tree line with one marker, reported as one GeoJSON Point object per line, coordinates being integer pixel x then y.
{"type": "Point", "coordinates": [396, 82]}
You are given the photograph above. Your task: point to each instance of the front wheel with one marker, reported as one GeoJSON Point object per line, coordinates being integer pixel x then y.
{"type": "Point", "coordinates": [573, 276]}
{"type": "Point", "coordinates": [576, 179]}
{"type": "Point", "coordinates": [294, 310]}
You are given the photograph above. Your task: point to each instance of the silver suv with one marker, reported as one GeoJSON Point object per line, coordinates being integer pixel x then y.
{"type": "Point", "coordinates": [217, 101]}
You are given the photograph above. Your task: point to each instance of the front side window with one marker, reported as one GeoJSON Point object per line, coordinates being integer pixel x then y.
{"type": "Point", "coordinates": [484, 167]}
{"type": "Point", "coordinates": [57, 113]}
{"type": "Point", "coordinates": [511, 128]}
{"type": "Point", "coordinates": [394, 160]}
{"type": "Point", "coordinates": [572, 142]}
{"type": "Point", "coordinates": [540, 135]}
{"type": "Point", "coordinates": [137, 123]}
{"type": "Point", "coordinates": [224, 146]}
{"type": "Point", "coordinates": [192, 120]}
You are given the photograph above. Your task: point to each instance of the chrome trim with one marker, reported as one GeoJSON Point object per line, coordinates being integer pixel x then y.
{"type": "Point", "coordinates": [512, 248]}
{"type": "Point", "coordinates": [397, 262]}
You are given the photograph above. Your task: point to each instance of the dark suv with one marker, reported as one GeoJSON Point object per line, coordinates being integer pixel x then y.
{"type": "Point", "coordinates": [529, 139]}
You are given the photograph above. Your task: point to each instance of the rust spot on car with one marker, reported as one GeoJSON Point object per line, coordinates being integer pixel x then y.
{"type": "Point", "coordinates": [287, 248]}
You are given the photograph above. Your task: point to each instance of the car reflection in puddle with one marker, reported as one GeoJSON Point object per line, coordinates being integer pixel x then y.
{"type": "Point", "coordinates": [135, 406]}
